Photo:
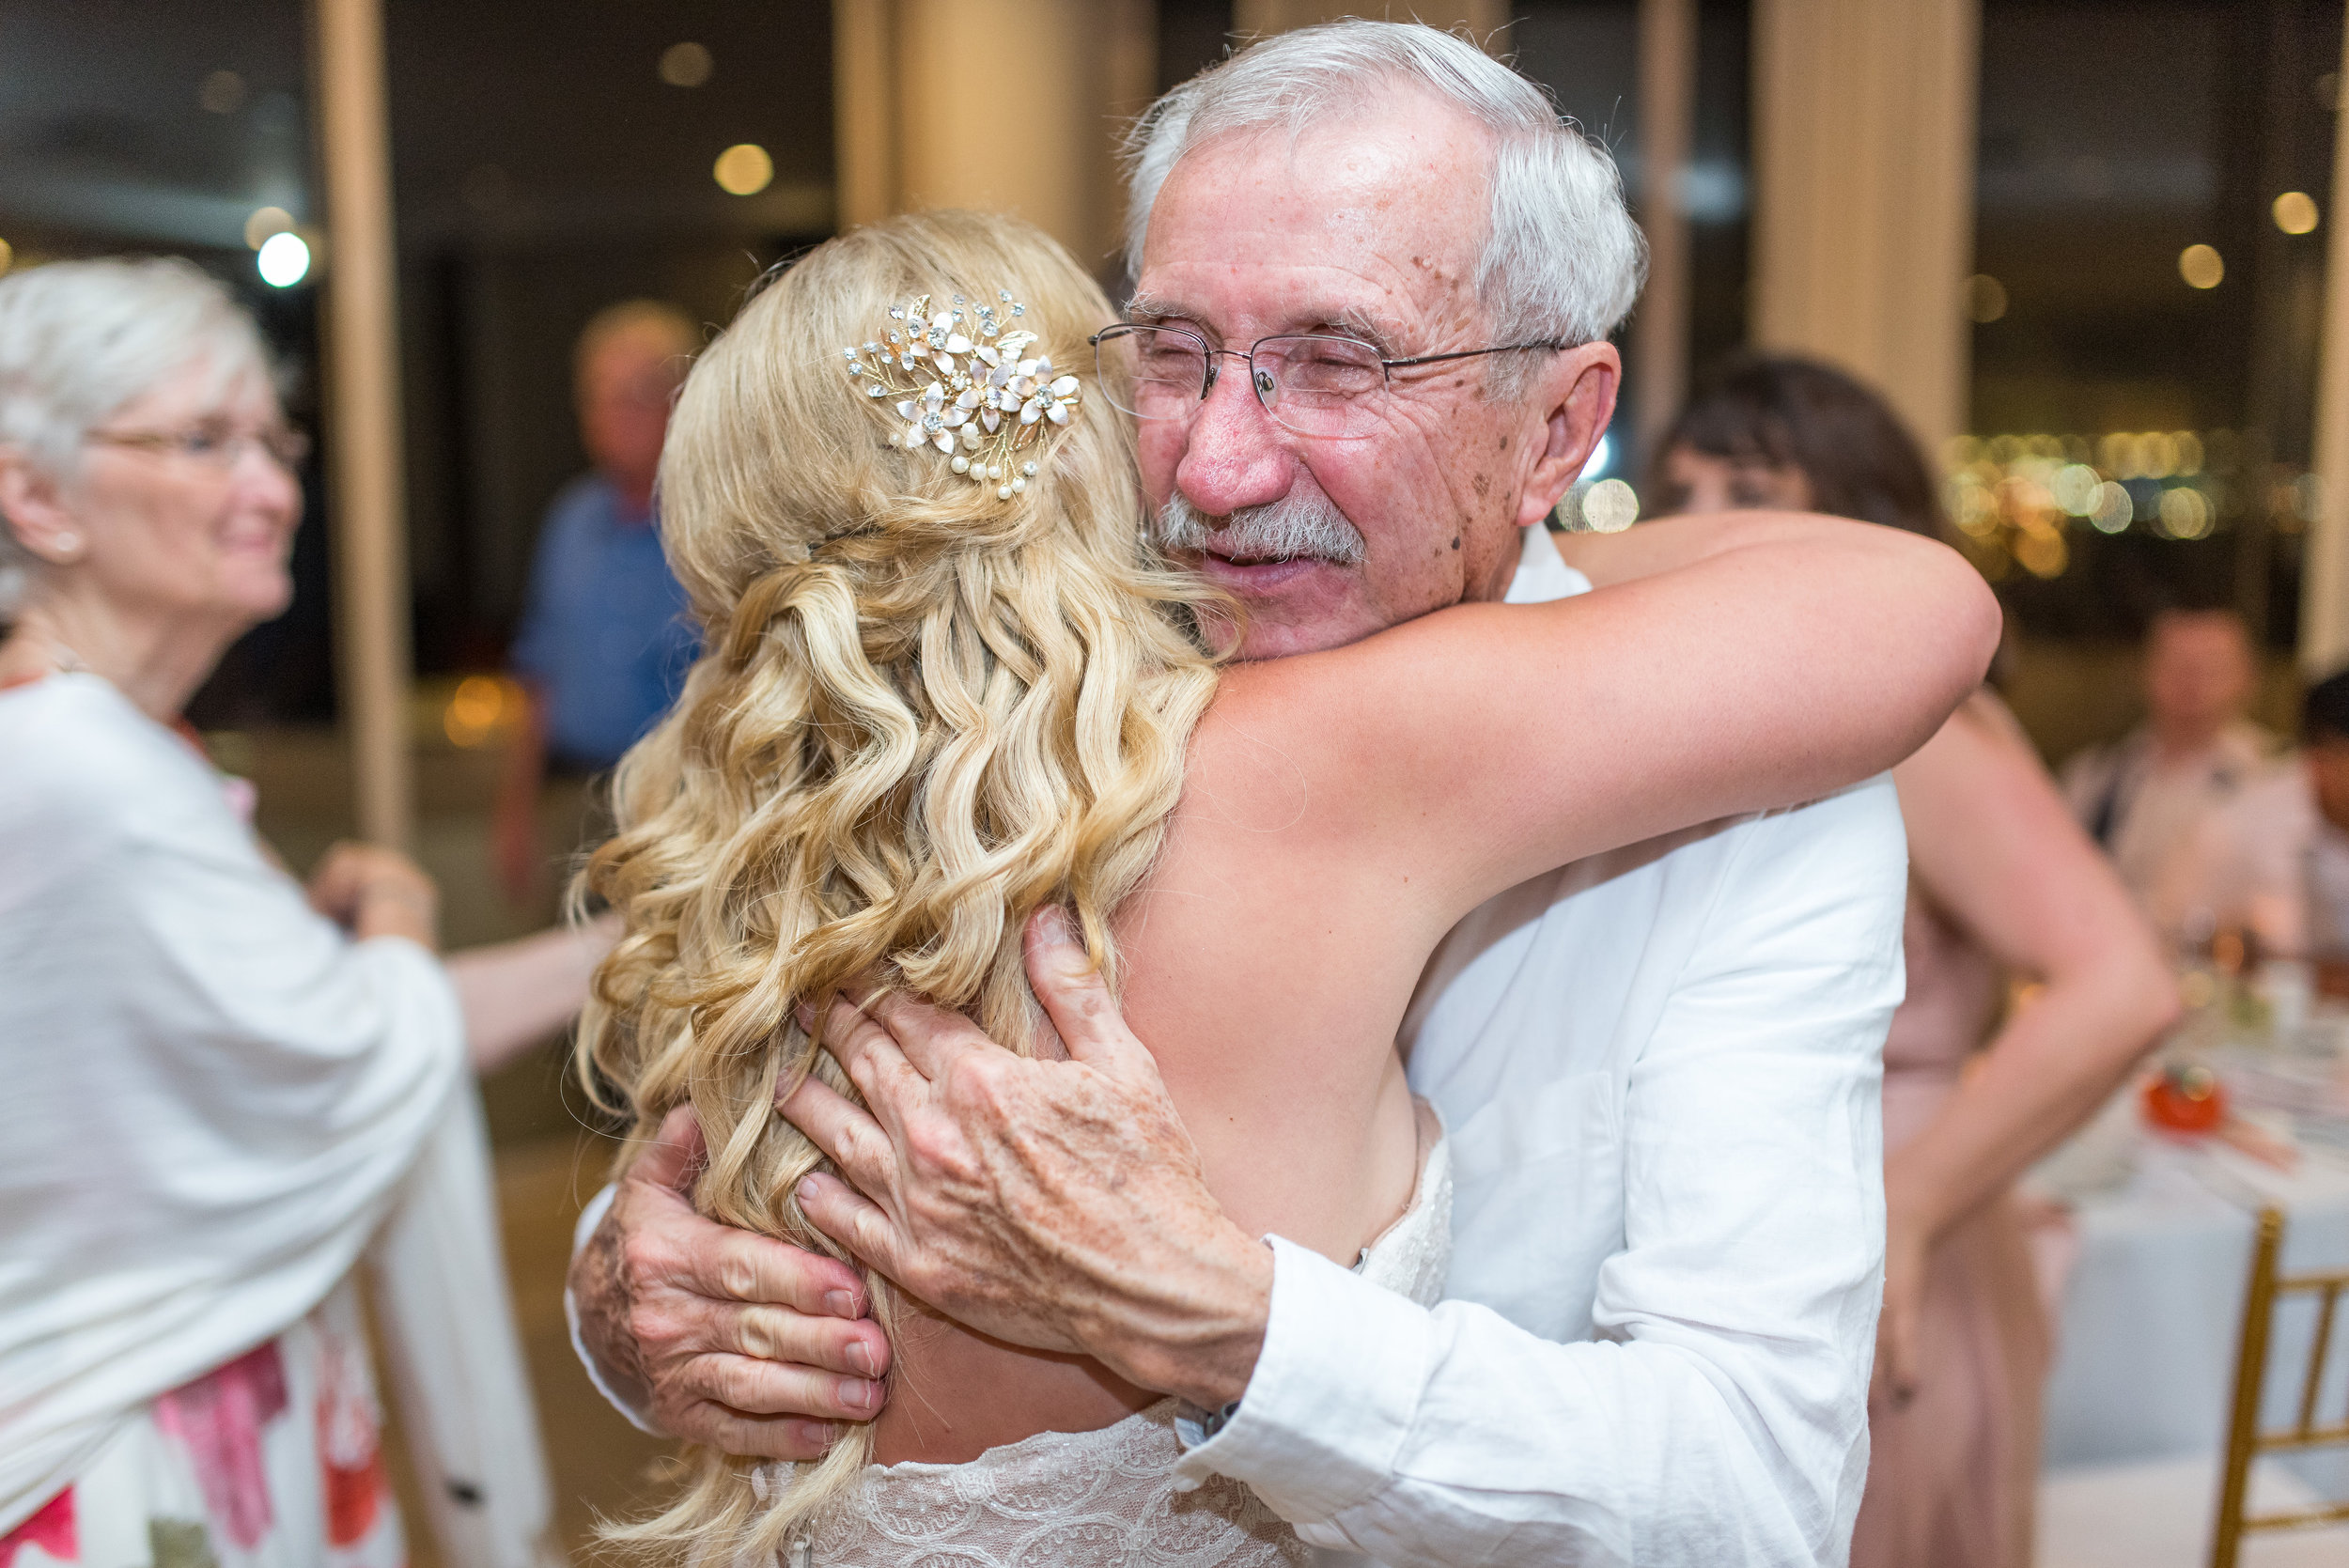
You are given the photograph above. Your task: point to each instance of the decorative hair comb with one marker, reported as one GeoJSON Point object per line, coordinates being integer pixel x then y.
{"type": "Point", "coordinates": [963, 389]}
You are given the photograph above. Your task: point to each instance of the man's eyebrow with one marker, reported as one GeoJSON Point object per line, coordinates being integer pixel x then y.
{"type": "Point", "coordinates": [1354, 321]}
{"type": "Point", "coordinates": [1152, 307]}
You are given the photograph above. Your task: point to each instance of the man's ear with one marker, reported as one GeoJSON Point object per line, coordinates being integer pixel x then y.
{"type": "Point", "coordinates": [1573, 398]}
{"type": "Point", "coordinates": [32, 508]}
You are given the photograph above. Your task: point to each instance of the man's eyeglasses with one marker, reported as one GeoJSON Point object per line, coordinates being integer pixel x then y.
{"type": "Point", "coordinates": [1312, 383]}
{"type": "Point", "coordinates": [216, 446]}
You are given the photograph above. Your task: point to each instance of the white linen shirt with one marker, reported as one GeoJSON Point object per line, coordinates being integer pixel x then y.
{"type": "Point", "coordinates": [1660, 1068]}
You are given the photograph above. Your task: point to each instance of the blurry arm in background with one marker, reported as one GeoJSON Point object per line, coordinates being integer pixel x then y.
{"type": "Point", "coordinates": [515, 994]}
{"type": "Point", "coordinates": [516, 854]}
{"type": "Point", "coordinates": [1993, 846]}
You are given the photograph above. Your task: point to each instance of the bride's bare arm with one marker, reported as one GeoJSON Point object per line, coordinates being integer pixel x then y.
{"type": "Point", "coordinates": [1726, 664]}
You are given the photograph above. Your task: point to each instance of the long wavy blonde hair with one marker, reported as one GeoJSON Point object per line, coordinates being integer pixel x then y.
{"type": "Point", "coordinates": [921, 713]}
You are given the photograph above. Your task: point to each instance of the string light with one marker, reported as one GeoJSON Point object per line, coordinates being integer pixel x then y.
{"type": "Point", "coordinates": [2201, 266]}
{"type": "Point", "coordinates": [2295, 212]}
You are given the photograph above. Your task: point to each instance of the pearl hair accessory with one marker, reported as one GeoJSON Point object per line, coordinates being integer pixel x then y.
{"type": "Point", "coordinates": [963, 389]}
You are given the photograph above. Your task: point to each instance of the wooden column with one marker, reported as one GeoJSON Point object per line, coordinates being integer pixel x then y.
{"type": "Point", "coordinates": [1864, 194]}
{"type": "Point", "coordinates": [1659, 328]}
{"type": "Point", "coordinates": [1014, 105]}
{"type": "Point", "coordinates": [363, 407]}
{"type": "Point", "coordinates": [2325, 562]}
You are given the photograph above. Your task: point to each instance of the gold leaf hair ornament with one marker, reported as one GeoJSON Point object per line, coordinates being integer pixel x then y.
{"type": "Point", "coordinates": [963, 389]}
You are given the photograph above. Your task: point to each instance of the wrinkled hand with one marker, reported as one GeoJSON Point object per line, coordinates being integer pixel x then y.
{"type": "Point", "coordinates": [1058, 1204]}
{"type": "Point", "coordinates": [1906, 1249]}
{"type": "Point", "coordinates": [716, 1335]}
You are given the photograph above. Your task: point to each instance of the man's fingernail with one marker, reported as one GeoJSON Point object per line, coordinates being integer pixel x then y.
{"type": "Point", "coordinates": [812, 1434]}
{"type": "Point", "coordinates": [841, 1303]}
{"type": "Point", "coordinates": [809, 1188]}
{"type": "Point", "coordinates": [859, 1395]}
{"type": "Point", "coordinates": [861, 1358]}
{"type": "Point", "coordinates": [1055, 929]}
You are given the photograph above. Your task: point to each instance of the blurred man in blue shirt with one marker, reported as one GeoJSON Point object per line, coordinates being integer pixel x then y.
{"type": "Point", "coordinates": [604, 641]}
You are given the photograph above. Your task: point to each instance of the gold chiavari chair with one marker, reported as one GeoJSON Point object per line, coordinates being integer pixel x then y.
{"type": "Point", "coordinates": [2244, 1440]}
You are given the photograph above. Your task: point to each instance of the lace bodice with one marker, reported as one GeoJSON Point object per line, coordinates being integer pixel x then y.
{"type": "Point", "coordinates": [1107, 1498]}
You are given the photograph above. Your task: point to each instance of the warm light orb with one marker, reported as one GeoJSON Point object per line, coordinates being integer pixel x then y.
{"type": "Point", "coordinates": [744, 170]}
{"type": "Point", "coordinates": [284, 261]}
{"type": "Point", "coordinates": [686, 64]}
{"type": "Point", "coordinates": [2295, 212]}
{"type": "Point", "coordinates": [1985, 298]}
{"type": "Point", "coordinates": [2200, 265]}
{"type": "Point", "coordinates": [265, 222]}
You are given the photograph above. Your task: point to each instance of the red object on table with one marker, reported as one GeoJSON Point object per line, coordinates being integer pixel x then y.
{"type": "Point", "coordinates": [2185, 1099]}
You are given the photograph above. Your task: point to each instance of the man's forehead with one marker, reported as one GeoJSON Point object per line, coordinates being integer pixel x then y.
{"type": "Point", "coordinates": [1362, 223]}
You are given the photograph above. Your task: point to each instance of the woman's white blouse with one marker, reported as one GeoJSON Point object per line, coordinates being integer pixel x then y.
{"type": "Point", "coordinates": [208, 1093]}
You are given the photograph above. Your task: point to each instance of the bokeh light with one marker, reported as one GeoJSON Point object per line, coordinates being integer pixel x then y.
{"type": "Point", "coordinates": [2078, 488]}
{"type": "Point", "coordinates": [1985, 298]}
{"type": "Point", "coordinates": [685, 65]}
{"type": "Point", "coordinates": [1602, 453]}
{"type": "Point", "coordinates": [2201, 266]}
{"type": "Point", "coordinates": [1609, 507]}
{"type": "Point", "coordinates": [744, 170]}
{"type": "Point", "coordinates": [480, 706]}
{"type": "Point", "coordinates": [223, 93]}
{"type": "Point", "coordinates": [7, 255]}
{"type": "Point", "coordinates": [2295, 212]}
{"type": "Point", "coordinates": [284, 261]}
{"type": "Point", "coordinates": [265, 222]}
{"type": "Point", "coordinates": [2185, 513]}
{"type": "Point", "coordinates": [2113, 509]}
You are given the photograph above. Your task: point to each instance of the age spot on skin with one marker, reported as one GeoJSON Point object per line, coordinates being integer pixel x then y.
{"type": "Point", "coordinates": [1484, 485]}
{"type": "Point", "coordinates": [1455, 541]}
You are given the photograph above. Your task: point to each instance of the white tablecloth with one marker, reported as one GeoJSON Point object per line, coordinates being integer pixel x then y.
{"type": "Point", "coordinates": [2153, 1307]}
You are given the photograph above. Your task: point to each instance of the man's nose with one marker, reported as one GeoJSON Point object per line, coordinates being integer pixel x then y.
{"type": "Point", "coordinates": [1234, 456]}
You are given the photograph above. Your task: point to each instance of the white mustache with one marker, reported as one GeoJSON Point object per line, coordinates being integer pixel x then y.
{"type": "Point", "coordinates": [1296, 527]}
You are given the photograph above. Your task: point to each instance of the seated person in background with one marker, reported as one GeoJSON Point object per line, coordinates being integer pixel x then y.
{"type": "Point", "coordinates": [223, 1086]}
{"type": "Point", "coordinates": [603, 642]}
{"type": "Point", "coordinates": [2142, 796]}
{"type": "Point", "coordinates": [2002, 885]}
{"type": "Point", "coordinates": [2273, 860]}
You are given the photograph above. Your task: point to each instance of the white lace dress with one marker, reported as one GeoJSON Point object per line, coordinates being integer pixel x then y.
{"type": "Point", "coordinates": [1108, 1499]}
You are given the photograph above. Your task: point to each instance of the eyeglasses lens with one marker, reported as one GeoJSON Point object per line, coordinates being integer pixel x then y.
{"type": "Point", "coordinates": [1314, 386]}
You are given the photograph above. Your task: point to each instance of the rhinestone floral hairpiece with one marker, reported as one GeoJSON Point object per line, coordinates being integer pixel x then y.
{"type": "Point", "coordinates": [964, 388]}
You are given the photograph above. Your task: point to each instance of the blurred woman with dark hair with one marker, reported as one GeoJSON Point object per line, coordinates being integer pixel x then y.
{"type": "Point", "coordinates": [2003, 885]}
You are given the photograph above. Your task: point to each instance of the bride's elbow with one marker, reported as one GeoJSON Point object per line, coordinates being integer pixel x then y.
{"type": "Point", "coordinates": [1962, 615]}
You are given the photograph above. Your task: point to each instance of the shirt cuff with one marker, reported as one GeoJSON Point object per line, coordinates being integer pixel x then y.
{"type": "Point", "coordinates": [1329, 1404]}
{"type": "Point", "coordinates": [589, 1218]}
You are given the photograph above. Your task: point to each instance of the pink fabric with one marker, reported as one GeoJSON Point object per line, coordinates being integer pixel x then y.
{"type": "Point", "coordinates": [218, 1418]}
{"type": "Point", "coordinates": [1952, 1474]}
{"type": "Point", "coordinates": [53, 1529]}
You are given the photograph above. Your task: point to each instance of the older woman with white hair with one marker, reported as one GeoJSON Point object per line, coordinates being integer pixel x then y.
{"type": "Point", "coordinates": [227, 1089]}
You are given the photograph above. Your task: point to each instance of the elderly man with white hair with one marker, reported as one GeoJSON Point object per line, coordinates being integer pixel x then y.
{"type": "Point", "coordinates": [1660, 1068]}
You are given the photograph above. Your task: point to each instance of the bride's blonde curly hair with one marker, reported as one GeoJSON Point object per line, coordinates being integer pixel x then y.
{"type": "Point", "coordinates": [920, 713]}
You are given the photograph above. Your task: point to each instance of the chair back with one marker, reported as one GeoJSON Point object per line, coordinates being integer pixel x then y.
{"type": "Point", "coordinates": [2245, 1441]}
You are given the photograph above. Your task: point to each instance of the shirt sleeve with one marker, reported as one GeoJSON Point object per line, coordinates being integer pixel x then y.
{"type": "Point", "coordinates": [1719, 1416]}
{"type": "Point", "coordinates": [589, 1218]}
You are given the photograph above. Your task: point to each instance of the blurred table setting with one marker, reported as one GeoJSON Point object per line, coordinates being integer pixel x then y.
{"type": "Point", "coordinates": [2151, 1214]}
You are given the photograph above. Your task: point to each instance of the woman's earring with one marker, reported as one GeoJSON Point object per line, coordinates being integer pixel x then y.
{"type": "Point", "coordinates": [69, 547]}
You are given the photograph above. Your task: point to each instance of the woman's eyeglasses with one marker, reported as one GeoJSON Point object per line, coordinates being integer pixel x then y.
{"type": "Point", "coordinates": [216, 446]}
{"type": "Point", "coordinates": [1313, 384]}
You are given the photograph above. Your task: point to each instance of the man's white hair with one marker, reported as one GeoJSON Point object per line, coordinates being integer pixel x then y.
{"type": "Point", "coordinates": [1563, 261]}
{"type": "Point", "coordinates": [79, 339]}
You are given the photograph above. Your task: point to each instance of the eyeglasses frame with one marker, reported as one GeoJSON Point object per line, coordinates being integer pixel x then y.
{"type": "Point", "coordinates": [1256, 378]}
{"type": "Point", "coordinates": [289, 450]}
